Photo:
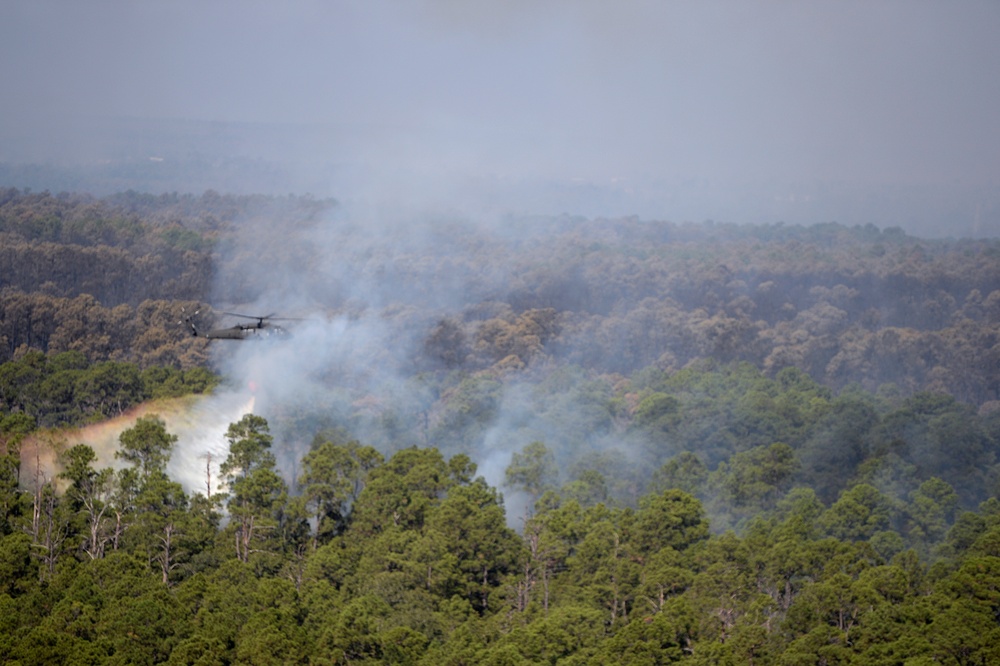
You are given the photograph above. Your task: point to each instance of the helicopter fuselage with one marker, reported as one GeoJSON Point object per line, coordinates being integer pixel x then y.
{"type": "Point", "coordinates": [259, 329]}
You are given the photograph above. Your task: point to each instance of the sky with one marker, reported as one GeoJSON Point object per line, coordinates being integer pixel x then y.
{"type": "Point", "coordinates": [736, 110]}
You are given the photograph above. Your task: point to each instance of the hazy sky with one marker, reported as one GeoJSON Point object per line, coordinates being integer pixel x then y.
{"type": "Point", "coordinates": [877, 91]}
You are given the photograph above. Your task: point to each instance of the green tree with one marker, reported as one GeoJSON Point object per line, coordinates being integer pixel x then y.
{"type": "Point", "coordinates": [589, 488]}
{"type": "Point", "coordinates": [930, 512]}
{"type": "Point", "coordinates": [401, 492]}
{"type": "Point", "coordinates": [18, 572]}
{"type": "Point", "coordinates": [751, 483]}
{"type": "Point", "coordinates": [860, 512]}
{"type": "Point", "coordinates": [565, 632]}
{"type": "Point", "coordinates": [13, 429]}
{"type": "Point", "coordinates": [160, 523]}
{"type": "Point", "coordinates": [356, 634]}
{"type": "Point", "coordinates": [684, 472]}
{"type": "Point", "coordinates": [469, 524]}
{"type": "Point", "coordinates": [141, 621]}
{"type": "Point", "coordinates": [672, 518]}
{"type": "Point", "coordinates": [90, 491]}
{"type": "Point", "coordinates": [663, 638]}
{"type": "Point", "coordinates": [49, 528]}
{"type": "Point", "coordinates": [256, 492]}
{"type": "Point", "coordinates": [657, 416]}
{"type": "Point", "coordinates": [146, 445]}
{"type": "Point", "coordinates": [249, 447]}
{"type": "Point", "coordinates": [108, 389]}
{"type": "Point", "coordinates": [607, 567]}
{"type": "Point", "coordinates": [532, 470]}
{"type": "Point", "coordinates": [333, 476]}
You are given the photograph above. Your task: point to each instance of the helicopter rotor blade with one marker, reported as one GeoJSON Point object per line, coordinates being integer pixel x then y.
{"type": "Point", "coordinates": [188, 317]}
{"type": "Point", "coordinates": [258, 317]}
{"type": "Point", "coordinates": [267, 317]}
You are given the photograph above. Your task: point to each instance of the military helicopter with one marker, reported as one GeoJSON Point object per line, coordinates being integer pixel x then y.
{"type": "Point", "coordinates": [261, 327]}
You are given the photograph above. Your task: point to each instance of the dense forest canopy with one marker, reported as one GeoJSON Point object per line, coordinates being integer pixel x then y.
{"type": "Point", "coordinates": [845, 305]}
{"type": "Point", "coordinates": [716, 443]}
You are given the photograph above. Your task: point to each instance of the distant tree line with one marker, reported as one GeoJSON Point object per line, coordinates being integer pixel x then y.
{"type": "Point", "coordinates": [844, 304]}
{"type": "Point", "coordinates": [123, 249]}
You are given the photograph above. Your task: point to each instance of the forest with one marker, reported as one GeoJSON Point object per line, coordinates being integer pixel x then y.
{"type": "Point", "coordinates": [519, 440]}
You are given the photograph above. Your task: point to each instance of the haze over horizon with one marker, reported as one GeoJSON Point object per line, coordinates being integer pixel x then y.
{"type": "Point", "coordinates": [757, 111]}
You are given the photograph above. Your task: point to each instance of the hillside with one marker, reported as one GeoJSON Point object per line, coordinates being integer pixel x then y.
{"type": "Point", "coordinates": [846, 305]}
{"type": "Point", "coordinates": [513, 440]}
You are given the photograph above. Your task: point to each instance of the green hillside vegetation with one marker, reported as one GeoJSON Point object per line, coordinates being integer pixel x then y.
{"type": "Point", "coordinates": [726, 444]}
{"type": "Point", "coordinates": [409, 560]}
{"type": "Point", "coordinates": [66, 390]}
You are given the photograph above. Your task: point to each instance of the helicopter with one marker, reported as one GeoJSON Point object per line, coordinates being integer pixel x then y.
{"type": "Point", "coordinates": [261, 327]}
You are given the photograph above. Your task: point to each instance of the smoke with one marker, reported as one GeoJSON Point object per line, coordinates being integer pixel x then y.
{"type": "Point", "coordinates": [364, 287]}
{"type": "Point", "coordinates": [201, 445]}
{"type": "Point", "coordinates": [198, 421]}
{"type": "Point", "coordinates": [356, 317]}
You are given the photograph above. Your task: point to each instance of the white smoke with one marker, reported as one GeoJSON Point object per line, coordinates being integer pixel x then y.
{"type": "Point", "coordinates": [201, 443]}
